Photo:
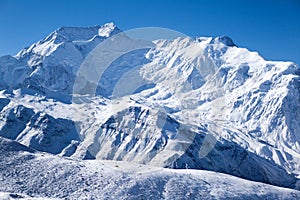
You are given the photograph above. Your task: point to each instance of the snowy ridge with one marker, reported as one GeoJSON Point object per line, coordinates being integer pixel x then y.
{"type": "Point", "coordinates": [58, 56]}
{"type": "Point", "coordinates": [53, 177]}
{"type": "Point", "coordinates": [204, 103]}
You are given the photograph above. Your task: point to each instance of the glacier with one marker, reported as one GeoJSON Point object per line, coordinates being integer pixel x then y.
{"type": "Point", "coordinates": [186, 103]}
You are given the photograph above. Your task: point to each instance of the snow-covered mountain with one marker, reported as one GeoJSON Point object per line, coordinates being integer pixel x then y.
{"type": "Point", "coordinates": [199, 103]}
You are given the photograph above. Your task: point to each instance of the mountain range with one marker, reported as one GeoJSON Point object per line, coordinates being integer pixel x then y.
{"type": "Point", "coordinates": [91, 112]}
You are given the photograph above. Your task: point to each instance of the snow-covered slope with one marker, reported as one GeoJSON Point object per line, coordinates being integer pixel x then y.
{"type": "Point", "coordinates": [50, 65]}
{"type": "Point", "coordinates": [200, 103]}
{"type": "Point", "coordinates": [47, 176]}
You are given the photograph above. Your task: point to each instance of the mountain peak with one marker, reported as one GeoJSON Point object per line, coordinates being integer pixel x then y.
{"type": "Point", "coordinates": [68, 33]}
{"type": "Point", "coordinates": [108, 29]}
{"type": "Point", "coordinates": [224, 40]}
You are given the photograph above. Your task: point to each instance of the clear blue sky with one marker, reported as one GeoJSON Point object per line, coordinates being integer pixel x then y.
{"type": "Point", "coordinates": [271, 27]}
